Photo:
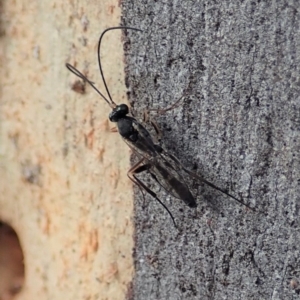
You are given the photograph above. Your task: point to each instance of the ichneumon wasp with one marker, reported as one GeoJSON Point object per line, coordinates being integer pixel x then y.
{"type": "Point", "coordinates": [163, 167]}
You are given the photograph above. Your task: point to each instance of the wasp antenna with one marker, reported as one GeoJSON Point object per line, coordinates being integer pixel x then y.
{"type": "Point", "coordinates": [99, 57]}
{"type": "Point", "coordinates": [84, 78]}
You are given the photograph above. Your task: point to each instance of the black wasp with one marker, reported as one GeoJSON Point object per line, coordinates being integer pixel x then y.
{"type": "Point", "coordinates": [163, 167]}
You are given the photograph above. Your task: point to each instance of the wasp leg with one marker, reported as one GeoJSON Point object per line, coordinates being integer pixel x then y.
{"type": "Point", "coordinates": [208, 183]}
{"type": "Point", "coordinates": [139, 167]}
{"type": "Point", "coordinates": [157, 130]}
{"type": "Point", "coordinates": [164, 110]}
{"type": "Point", "coordinates": [147, 119]}
{"type": "Point", "coordinates": [114, 129]}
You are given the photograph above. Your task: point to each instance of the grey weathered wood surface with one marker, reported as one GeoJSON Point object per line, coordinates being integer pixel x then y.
{"type": "Point", "coordinates": [238, 63]}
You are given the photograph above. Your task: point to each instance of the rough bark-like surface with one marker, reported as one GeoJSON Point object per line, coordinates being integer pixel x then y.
{"type": "Point", "coordinates": [238, 63]}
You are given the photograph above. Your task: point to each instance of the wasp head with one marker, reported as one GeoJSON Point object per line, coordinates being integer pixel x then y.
{"type": "Point", "coordinates": [119, 112]}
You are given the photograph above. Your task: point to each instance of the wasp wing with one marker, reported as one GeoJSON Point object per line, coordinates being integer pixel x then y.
{"type": "Point", "coordinates": [178, 164]}
{"type": "Point", "coordinates": [161, 166]}
{"type": "Point", "coordinates": [167, 173]}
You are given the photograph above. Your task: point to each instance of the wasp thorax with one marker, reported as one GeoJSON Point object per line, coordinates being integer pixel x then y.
{"type": "Point", "coordinates": [118, 112]}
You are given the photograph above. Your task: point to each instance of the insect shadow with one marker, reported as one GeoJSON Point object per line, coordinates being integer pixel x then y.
{"type": "Point", "coordinates": [163, 167]}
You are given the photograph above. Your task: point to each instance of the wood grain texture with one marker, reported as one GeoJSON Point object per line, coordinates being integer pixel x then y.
{"type": "Point", "coordinates": [239, 127]}
{"type": "Point", "coordinates": [63, 184]}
